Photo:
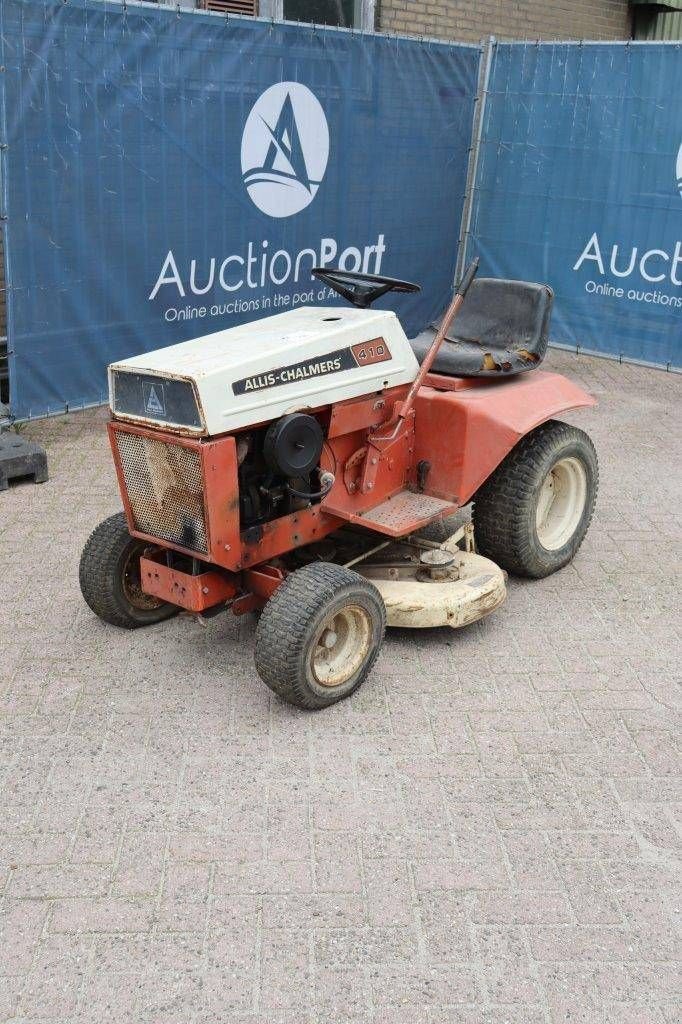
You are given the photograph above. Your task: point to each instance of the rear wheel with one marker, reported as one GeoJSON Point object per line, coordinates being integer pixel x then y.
{"type": "Point", "coordinates": [110, 577]}
{"type": "Point", "coordinates": [319, 635]}
{"type": "Point", "coordinates": [533, 512]}
{"type": "Point", "coordinates": [441, 531]}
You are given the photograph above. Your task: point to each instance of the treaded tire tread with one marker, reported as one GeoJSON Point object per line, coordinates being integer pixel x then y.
{"type": "Point", "coordinates": [99, 576]}
{"type": "Point", "coordinates": [504, 506]}
{"type": "Point", "coordinates": [289, 620]}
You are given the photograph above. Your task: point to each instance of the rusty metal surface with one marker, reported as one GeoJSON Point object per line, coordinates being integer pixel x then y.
{"type": "Point", "coordinates": [194, 593]}
{"type": "Point", "coordinates": [266, 541]}
{"type": "Point", "coordinates": [359, 413]}
{"type": "Point", "coordinates": [219, 459]}
{"type": "Point", "coordinates": [442, 383]}
{"type": "Point", "coordinates": [400, 514]}
{"type": "Point", "coordinates": [167, 496]}
{"type": "Point", "coordinates": [263, 581]}
{"type": "Point", "coordinates": [163, 485]}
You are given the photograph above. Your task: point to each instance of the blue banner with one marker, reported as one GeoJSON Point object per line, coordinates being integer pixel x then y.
{"type": "Point", "coordinates": [171, 174]}
{"type": "Point", "coordinates": [580, 185]}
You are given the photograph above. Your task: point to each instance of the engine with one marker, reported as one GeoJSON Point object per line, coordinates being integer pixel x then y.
{"type": "Point", "coordinates": [279, 469]}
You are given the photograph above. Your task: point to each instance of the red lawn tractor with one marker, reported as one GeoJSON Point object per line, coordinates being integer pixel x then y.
{"type": "Point", "coordinates": [296, 466]}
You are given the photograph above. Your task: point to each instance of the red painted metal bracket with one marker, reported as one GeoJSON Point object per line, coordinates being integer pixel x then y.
{"type": "Point", "coordinates": [260, 584]}
{"type": "Point", "coordinates": [194, 593]}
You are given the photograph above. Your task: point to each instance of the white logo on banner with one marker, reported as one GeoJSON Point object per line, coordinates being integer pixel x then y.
{"type": "Point", "coordinates": [679, 169]}
{"type": "Point", "coordinates": [285, 149]}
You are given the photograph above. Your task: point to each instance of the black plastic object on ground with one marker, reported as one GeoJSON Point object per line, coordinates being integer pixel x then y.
{"type": "Point", "coordinates": [20, 458]}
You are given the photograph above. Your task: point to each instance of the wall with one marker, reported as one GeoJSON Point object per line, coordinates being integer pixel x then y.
{"type": "Point", "coordinates": [523, 19]}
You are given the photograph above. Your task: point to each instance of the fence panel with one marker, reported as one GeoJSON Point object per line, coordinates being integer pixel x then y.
{"type": "Point", "coordinates": [580, 185]}
{"type": "Point", "coordinates": [172, 174]}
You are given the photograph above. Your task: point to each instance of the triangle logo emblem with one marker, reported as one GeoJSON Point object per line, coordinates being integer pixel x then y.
{"type": "Point", "coordinates": [154, 404]}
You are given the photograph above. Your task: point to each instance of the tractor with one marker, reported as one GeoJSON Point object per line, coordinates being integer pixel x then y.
{"type": "Point", "coordinates": [298, 467]}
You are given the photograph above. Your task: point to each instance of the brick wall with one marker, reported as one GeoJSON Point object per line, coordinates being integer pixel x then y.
{"type": "Point", "coordinates": [470, 20]}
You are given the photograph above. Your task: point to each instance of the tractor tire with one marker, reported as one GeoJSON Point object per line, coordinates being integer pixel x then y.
{"type": "Point", "coordinates": [443, 529]}
{"type": "Point", "coordinates": [532, 513]}
{"type": "Point", "coordinates": [109, 577]}
{"type": "Point", "coordinates": [319, 635]}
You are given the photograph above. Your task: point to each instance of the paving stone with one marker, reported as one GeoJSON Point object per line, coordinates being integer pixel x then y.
{"type": "Point", "coordinates": [184, 901]}
{"type": "Point", "coordinates": [355, 947]}
{"type": "Point", "coordinates": [323, 910]}
{"type": "Point", "coordinates": [102, 915]}
{"type": "Point", "coordinates": [21, 926]}
{"type": "Point", "coordinates": [431, 986]}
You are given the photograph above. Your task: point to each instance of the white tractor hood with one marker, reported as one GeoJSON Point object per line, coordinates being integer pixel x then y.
{"type": "Point", "coordinates": [254, 373]}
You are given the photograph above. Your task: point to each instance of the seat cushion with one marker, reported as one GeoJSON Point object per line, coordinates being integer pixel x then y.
{"type": "Point", "coordinates": [502, 329]}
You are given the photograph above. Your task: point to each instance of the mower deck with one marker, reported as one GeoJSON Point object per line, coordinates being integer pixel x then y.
{"type": "Point", "coordinates": [471, 589]}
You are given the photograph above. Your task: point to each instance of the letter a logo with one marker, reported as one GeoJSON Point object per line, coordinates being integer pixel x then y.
{"type": "Point", "coordinates": [154, 399]}
{"type": "Point", "coordinates": [285, 149]}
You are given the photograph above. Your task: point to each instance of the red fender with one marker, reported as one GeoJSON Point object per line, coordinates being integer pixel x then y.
{"type": "Point", "coordinates": [465, 432]}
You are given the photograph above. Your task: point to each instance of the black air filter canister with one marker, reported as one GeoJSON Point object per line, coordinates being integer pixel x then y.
{"type": "Point", "coordinates": [293, 445]}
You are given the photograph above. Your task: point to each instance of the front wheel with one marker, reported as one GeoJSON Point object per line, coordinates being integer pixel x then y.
{"type": "Point", "coordinates": [319, 635]}
{"type": "Point", "coordinates": [532, 513]}
{"type": "Point", "coordinates": [110, 577]}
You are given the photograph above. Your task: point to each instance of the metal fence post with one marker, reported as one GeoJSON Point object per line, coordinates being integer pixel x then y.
{"type": "Point", "coordinates": [474, 153]}
{"type": "Point", "coordinates": [5, 275]}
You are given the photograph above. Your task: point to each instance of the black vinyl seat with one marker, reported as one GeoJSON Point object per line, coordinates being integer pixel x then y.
{"type": "Point", "coordinates": [502, 329]}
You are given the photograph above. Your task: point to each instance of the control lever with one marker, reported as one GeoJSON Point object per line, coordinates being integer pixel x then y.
{"type": "Point", "coordinates": [404, 409]}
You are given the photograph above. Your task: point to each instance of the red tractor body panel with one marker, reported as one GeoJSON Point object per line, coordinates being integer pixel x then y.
{"type": "Point", "coordinates": [215, 499]}
{"type": "Point", "coordinates": [466, 431]}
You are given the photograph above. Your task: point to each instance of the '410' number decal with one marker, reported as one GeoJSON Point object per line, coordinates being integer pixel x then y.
{"type": "Point", "coordinates": [374, 351]}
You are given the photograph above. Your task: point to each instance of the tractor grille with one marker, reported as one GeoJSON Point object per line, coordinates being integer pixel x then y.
{"type": "Point", "coordinates": [165, 489]}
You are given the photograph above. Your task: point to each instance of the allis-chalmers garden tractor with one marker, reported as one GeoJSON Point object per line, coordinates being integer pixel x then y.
{"type": "Point", "coordinates": [290, 466]}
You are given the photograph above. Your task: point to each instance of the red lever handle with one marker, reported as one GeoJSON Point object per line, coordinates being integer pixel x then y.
{"type": "Point", "coordinates": [427, 362]}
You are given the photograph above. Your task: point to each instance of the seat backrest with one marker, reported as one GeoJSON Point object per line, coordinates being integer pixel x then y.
{"type": "Point", "coordinates": [505, 314]}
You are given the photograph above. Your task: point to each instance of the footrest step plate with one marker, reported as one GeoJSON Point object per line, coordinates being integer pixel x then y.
{"type": "Point", "coordinates": [403, 513]}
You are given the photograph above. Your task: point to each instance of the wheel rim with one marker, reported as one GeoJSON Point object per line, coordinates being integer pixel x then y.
{"type": "Point", "coordinates": [561, 503]}
{"type": "Point", "coordinates": [341, 645]}
{"type": "Point", "coordinates": [132, 584]}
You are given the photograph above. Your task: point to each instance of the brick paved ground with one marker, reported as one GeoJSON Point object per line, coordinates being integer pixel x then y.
{"type": "Point", "coordinates": [486, 832]}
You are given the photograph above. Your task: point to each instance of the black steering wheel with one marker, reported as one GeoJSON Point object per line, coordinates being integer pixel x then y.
{"type": "Point", "coordinates": [361, 289]}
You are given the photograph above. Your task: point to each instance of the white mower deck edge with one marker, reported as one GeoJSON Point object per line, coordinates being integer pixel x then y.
{"type": "Point", "coordinates": [418, 604]}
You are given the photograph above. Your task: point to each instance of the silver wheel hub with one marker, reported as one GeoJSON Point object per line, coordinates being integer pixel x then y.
{"type": "Point", "coordinates": [329, 639]}
{"type": "Point", "coordinates": [341, 646]}
{"type": "Point", "coordinates": [561, 503]}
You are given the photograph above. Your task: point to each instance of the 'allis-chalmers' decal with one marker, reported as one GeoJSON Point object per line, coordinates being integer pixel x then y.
{"type": "Point", "coordinates": [364, 354]}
